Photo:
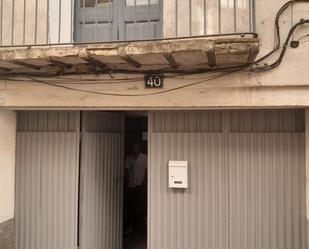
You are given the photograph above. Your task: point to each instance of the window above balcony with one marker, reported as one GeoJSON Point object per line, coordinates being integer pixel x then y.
{"type": "Point", "coordinates": [117, 20]}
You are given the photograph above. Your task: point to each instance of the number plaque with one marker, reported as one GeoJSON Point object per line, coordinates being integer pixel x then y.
{"type": "Point", "coordinates": [154, 81]}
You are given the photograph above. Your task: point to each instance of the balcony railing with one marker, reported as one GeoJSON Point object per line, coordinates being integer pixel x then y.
{"type": "Point", "coordinates": [30, 22]}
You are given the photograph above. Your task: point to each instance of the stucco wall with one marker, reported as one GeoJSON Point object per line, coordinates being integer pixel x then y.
{"type": "Point", "coordinates": [285, 86]}
{"type": "Point", "coordinates": [7, 164]}
{"type": "Point", "coordinates": [7, 177]}
{"type": "Point", "coordinates": [293, 69]}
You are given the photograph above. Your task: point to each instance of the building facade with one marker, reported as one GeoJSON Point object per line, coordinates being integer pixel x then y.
{"type": "Point", "coordinates": [72, 72]}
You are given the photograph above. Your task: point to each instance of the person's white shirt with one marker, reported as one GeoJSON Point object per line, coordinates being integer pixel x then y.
{"type": "Point", "coordinates": [136, 170]}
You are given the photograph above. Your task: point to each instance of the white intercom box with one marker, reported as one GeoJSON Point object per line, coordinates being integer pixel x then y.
{"type": "Point", "coordinates": [178, 174]}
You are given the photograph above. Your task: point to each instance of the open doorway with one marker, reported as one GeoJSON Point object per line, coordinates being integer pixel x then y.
{"type": "Point", "coordinates": [135, 182]}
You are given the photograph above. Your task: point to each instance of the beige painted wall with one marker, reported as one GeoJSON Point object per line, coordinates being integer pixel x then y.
{"type": "Point", "coordinates": [7, 164]}
{"type": "Point", "coordinates": [234, 91]}
{"type": "Point", "coordinates": [293, 70]}
{"type": "Point", "coordinates": [286, 86]}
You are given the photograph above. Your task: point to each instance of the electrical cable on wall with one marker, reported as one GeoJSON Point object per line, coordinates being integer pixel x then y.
{"type": "Point", "coordinates": [253, 67]}
{"type": "Point", "coordinates": [277, 45]}
{"type": "Point", "coordinates": [137, 95]}
{"type": "Point", "coordinates": [284, 49]}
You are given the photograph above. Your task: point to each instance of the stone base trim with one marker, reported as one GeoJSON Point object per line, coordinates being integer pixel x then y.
{"type": "Point", "coordinates": [7, 234]}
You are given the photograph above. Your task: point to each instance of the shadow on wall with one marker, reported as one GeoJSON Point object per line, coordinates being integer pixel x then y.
{"type": "Point", "coordinates": [6, 234]}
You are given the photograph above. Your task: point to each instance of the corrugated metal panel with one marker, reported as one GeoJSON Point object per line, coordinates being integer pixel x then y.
{"type": "Point", "coordinates": [101, 183]}
{"type": "Point", "coordinates": [196, 217]}
{"type": "Point", "coordinates": [267, 191]}
{"type": "Point", "coordinates": [102, 122]}
{"type": "Point", "coordinates": [46, 190]}
{"type": "Point", "coordinates": [48, 121]}
{"type": "Point", "coordinates": [246, 190]}
{"type": "Point", "coordinates": [268, 121]}
{"type": "Point", "coordinates": [190, 121]}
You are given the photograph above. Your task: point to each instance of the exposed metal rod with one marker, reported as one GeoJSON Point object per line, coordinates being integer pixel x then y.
{"type": "Point", "coordinates": [13, 22]}
{"type": "Point", "coordinates": [205, 17]}
{"type": "Point", "coordinates": [47, 22]}
{"type": "Point", "coordinates": [36, 23]}
{"type": "Point", "coordinates": [250, 18]}
{"type": "Point", "coordinates": [110, 23]}
{"type": "Point", "coordinates": [96, 20]}
{"type": "Point", "coordinates": [190, 17]}
{"type": "Point", "coordinates": [135, 17]}
{"type": "Point", "coordinates": [60, 19]}
{"type": "Point", "coordinates": [24, 22]}
{"type": "Point", "coordinates": [149, 12]}
{"type": "Point", "coordinates": [253, 16]}
{"type": "Point", "coordinates": [176, 18]}
{"type": "Point", "coordinates": [72, 20]}
{"type": "Point", "coordinates": [219, 17]}
{"type": "Point", "coordinates": [235, 15]}
{"type": "Point", "coordinates": [1, 22]}
{"type": "Point", "coordinates": [84, 18]}
{"type": "Point", "coordinates": [252, 34]}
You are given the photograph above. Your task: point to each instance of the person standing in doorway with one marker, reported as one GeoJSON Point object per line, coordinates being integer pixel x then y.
{"type": "Point", "coordinates": [136, 174]}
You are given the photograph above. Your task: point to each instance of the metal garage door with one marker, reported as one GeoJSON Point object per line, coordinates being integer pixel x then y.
{"type": "Point", "coordinates": [112, 20]}
{"type": "Point", "coordinates": [101, 180]}
{"type": "Point", "coordinates": [267, 179]}
{"type": "Point", "coordinates": [46, 180]}
{"type": "Point", "coordinates": [195, 218]}
{"type": "Point", "coordinates": [246, 180]}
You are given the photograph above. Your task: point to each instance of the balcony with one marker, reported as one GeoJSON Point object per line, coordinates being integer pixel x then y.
{"type": "Point", "coordinates": [52, 36]}
{"type": "Point", "coordinates": [32, 22]}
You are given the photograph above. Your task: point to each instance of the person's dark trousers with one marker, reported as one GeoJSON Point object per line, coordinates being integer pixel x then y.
{"type": "Point", "coordinates": [137, 204]}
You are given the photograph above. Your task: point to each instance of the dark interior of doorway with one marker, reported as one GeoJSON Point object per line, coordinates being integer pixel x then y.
{"type": "Point", "coordinates": [135, 199]}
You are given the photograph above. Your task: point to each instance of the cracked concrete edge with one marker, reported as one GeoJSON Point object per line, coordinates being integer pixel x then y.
{"type": "Point", "coordinates": [133, 48]}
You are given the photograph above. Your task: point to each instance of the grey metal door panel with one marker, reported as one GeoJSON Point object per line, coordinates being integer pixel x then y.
{"type": "Point", "coordinates": [48, 121]}
{"type": "Point", "coordinates": [246, 180]}
{"type": "Point", "coordinates": [95, 24]}
{"type": "Point", "coordinates": [141, 13]}
{"type": "Point", "coordinates": [46, 190]}
{"type": "Point", "coordinates": [140, 31]}
{"type": "Point", "coordinates": [267, 191]}
{"type": "Point", "coordinates": [196, 217]}
{"type": "Point", "coordinates": [101, 181]}
{"type": "Point", "coordinates": [140, 22]}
